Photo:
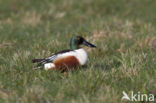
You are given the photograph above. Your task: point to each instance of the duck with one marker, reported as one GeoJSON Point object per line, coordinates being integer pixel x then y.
{"type": "Point", "coordinates": [68, 59]}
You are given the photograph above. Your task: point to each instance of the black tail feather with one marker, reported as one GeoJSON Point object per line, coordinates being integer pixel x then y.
{"type": "Point", "coordinates": [37, 60]}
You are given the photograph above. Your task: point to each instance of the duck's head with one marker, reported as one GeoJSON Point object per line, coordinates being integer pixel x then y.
{"type": "Point", "coordinates": [76, 41]}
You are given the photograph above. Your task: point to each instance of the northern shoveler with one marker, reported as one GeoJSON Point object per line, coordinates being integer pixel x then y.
{"type": "Point", "coordinates": [66, 59]}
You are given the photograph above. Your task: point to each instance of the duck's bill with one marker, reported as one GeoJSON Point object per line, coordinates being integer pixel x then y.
{"type": "Point", "coordinates": [89, 44]}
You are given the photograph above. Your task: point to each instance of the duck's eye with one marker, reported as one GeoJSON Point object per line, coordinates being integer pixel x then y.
{"type": "Point", "coordinates": [78, 38]}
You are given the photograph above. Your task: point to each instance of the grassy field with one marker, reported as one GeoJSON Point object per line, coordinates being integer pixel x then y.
{"type": "Point", "coordinates": [124, 32]}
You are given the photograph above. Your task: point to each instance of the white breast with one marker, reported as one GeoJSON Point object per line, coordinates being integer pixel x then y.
{"type": "Point", "coordinates": [82, 56]}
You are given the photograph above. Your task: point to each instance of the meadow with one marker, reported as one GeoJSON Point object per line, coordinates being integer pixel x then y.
{"type": "Point", "coordinates": [124, 32]}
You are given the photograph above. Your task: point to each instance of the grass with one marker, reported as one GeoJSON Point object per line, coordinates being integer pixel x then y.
{"type": "Point", "coordinates": [125, 60]}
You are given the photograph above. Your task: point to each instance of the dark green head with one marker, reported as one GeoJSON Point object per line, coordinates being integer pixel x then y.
{"type": "Point", "coordinates": [76, 41]}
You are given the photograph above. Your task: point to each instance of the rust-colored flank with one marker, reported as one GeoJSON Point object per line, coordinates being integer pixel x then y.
{"type": "Point", "coordinates": [66, 63]}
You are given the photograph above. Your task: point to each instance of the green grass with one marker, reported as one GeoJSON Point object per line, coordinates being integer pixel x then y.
{"type": "Point", "coordinates": [125, 58]}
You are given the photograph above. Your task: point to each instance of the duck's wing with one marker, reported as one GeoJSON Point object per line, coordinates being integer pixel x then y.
{"type": "Point", "coordinates": [49, 59]}
{"type": "Point", "coordinates": [54, 56]}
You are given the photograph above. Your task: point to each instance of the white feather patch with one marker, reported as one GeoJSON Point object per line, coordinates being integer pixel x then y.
{"type": "Point", "coordinates": [82, 56]}
{"type": "Point", "coordinates": [48, 66]}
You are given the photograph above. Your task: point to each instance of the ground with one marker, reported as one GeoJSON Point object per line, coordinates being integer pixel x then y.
{"type": "Point", "coordinates": [124, 32]}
